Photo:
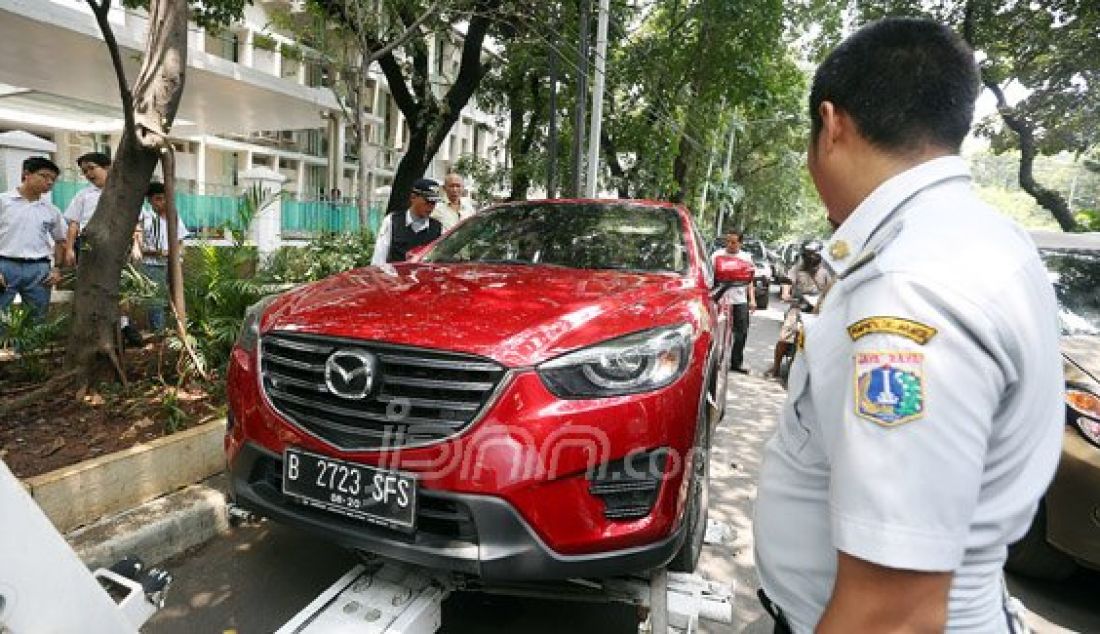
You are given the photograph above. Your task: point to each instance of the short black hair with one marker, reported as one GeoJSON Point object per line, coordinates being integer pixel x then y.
{"type": "Point", "coordinates": [904, 81]}
{"type": "Point", "coordinates": [154, 189]}
{"type": "Point", "coordinates": [35, 163]}
{"type": "Point", "coordinates": [735, 232]}
{"type": "Point", "coordinates": [99, 158]}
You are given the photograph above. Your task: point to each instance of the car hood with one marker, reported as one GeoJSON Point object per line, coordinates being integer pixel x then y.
{"type": "Point", "coordinates": [1084, 353]}
{"type": "Point", "coordinates": [516, 315]}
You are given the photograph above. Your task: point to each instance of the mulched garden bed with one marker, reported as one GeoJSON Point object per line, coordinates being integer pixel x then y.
{"type": "Point", "coordinates": [60, 430]}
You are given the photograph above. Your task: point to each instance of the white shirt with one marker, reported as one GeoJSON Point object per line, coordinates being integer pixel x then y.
{"type": "Point", "coordinates": [736, 294]}
{"type": "Point", "coordinates": [82, 207]}
{"type": "Point", "coordinates": [382, 243]}
{"type": "Point", "coordinates": [448, 216]}
{"type": "Point", "coordinates": [922, 444]}
{"type": "Point", "coordinates": [29, 229]}
{"type": "Point", "coordinates": [154, 235]}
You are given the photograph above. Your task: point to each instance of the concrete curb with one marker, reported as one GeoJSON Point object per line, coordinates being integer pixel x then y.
{"type": "Point", "coordinates": [157, 530]}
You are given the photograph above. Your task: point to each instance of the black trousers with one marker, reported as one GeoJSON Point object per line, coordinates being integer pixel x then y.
{"type": "Point", "coordinates": [740, 334]}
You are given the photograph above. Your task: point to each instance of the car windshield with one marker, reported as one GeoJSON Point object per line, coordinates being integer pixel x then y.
{"type": "Point", "coordinates": [1076, 276]}
{"type": "Point", "coordinates": [582, 235]}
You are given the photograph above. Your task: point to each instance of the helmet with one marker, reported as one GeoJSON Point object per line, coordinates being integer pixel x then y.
{"type": "Point", "coordinates": [811, 252]}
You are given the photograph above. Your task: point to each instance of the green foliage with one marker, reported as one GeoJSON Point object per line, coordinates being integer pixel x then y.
{"type": "Point", "coordinates": [252, 202]}
{"type": "Point", "coordinates": [1089, 219]}
{"type": "Point", "coordinates": [264, 42]}
{"type": "Point", "coordinates": [325, 256]}
{"type": "Point", "coordinates": [174, 414]}
{"type": "Point", "coordinates": [205, 13]}
{"type": "Point", "coordinates": [20, 332]}
{"type": "Point", "coordinates": [218, 287]}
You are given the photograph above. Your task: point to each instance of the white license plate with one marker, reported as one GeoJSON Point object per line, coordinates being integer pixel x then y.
{"type": "Point", "coordinates": [361, 492]}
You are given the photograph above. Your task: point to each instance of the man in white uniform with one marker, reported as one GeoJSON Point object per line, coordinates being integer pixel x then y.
{"type": "Point", "coordinates": [94, 166]}
{"type": "Point", "coordinates": [30, 229]}
{"type": "Point", "coordinates": [924, 418]}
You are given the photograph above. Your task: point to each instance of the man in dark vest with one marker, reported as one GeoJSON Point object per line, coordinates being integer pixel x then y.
{"type": "Point", "coordinates": [403, 231]}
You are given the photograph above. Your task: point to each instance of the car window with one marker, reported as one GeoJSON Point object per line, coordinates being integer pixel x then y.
{"type": "Point", "coordinates": [581, 235]}
{"type": "Point", "coordinates": [1076, 276]}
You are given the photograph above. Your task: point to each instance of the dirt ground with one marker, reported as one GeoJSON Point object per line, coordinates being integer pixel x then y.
{"type": "Point", "coordinates": [59, 429]}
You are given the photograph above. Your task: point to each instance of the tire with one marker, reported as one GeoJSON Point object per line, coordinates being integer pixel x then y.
{"type": "Point", "coordinates": [785, 367]}
{"type": "Point", "coordinates": [695, 515]}
{"type": "Point", "coordinates": [1034, 557]}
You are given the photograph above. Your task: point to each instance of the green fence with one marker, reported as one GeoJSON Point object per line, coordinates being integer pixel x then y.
{"type": "Point", "coordinates": [306, 218]}
{"type": "Point", "coordinates": [206, 214]}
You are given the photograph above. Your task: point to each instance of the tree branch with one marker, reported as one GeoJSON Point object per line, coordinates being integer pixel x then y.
{"type": "Point", "coordinates": [101, 9]}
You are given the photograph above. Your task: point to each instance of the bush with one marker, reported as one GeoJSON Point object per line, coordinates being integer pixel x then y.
{"type": "Point", "coordinates": [327, 255]}
{"type": "Point", "coordinates": [20, 332]}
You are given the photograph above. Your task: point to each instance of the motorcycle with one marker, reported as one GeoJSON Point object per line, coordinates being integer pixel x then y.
{"type": "Point", "coordinates": [806, 304]}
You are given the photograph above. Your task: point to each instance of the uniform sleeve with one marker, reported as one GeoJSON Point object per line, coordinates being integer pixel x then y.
{"type": "Point", "coordinates": [907, 439]}
{"type": "Point", "coordinates": [382, 243]}
{"type": "Point", "coordinates": [75, 209]}
{"type": "Point", "coordinates": [60, 229]}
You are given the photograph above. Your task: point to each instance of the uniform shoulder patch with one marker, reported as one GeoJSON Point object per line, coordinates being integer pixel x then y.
{"type": "Point", "coordinates": [907, 328]}
{"type": "Point", "coordinates": [890, 386]}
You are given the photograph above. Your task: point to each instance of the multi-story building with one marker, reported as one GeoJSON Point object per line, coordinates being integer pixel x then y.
{"type": "Point", "coordinates": [252, 99]}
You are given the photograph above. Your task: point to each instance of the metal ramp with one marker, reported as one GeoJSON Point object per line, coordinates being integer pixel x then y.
{"type": "Point", "coordinates": [388, 597]}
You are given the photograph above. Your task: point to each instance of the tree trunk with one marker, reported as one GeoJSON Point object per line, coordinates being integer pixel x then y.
{"type": "Point", "coordinates": [92, 348]}
{"type": "Point", "coordinates": [429, 118]}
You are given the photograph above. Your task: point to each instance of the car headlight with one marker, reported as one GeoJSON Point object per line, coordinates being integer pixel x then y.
{"type": "Point", "coordinates": [1085, 407]}
{"type": "Point", "coordinates": [640, 362]}
{"type": "Point", "coordinates": [250, 329]}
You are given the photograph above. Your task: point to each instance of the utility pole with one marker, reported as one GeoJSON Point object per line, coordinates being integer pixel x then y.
{"type": "Point", "coordinates": [597, 99]}
{"type": "Point", "coordinates": [582, 100]}
{"type": "Point", "coordinates": [552, 134]}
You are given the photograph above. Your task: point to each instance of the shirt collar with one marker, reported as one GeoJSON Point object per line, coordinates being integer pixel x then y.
{"type": "Point", "coordinates": [851, 237]}
{"type": "Point", "coordinates": [414, 223]}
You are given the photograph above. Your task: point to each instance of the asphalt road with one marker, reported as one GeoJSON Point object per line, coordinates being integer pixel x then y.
{"type": "Point", "coordinates": [258, 576]}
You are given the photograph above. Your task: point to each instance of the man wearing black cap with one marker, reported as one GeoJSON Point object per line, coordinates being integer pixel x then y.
{"type": "Point", "coordinates": [403, 231]}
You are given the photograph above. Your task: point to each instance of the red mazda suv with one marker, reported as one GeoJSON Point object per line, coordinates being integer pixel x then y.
{"type": "Point", "coordinates": [531, 398]}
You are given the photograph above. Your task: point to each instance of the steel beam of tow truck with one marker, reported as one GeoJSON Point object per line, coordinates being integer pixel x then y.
{"type": "Point", "coordinates": [388, 597]}
{"type": "Point", "coordinates": [44, 587]}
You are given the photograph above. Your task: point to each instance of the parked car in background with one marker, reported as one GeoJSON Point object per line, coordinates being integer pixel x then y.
{"type": "Point", "coordinates": [1066, 530]}
{"type": "Point", "coordinates": [764, 273]}
{"type": "Point", "coordinates": [531, 397]}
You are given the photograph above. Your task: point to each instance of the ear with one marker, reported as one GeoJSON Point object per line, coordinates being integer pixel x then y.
{"type": "Point", "coordinates": [833, 124]}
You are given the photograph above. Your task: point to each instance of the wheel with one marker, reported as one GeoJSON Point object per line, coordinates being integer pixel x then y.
{"type": "Point", "coordinates": [785, 366]}
{"type": "Point", "coordinates": [1033, 556]}
{"type": "Point", "coordinates": [695, 516]}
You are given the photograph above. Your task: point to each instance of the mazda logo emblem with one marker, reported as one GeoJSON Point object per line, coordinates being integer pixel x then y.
{"type": "Point", "coordinates": [350, 373]}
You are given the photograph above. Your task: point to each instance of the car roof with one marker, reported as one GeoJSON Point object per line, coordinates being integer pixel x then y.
{"type": "Point", "coordinates": [1061, 240]}
{"type": "Point", "coordinates": [636, 202]}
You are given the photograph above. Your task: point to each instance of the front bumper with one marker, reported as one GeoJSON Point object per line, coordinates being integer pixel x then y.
{"type": "Point", "coordinates": [1073, 501]}
{"type": "Point", "coordinates": [475, 534]}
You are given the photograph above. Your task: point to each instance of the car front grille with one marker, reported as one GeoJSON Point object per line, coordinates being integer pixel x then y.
{"type": "Point", "coordinates": [420, 396]}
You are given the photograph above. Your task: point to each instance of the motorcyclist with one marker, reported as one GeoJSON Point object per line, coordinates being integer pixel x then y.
{"type": "Point", "coordinates": [806, 277]}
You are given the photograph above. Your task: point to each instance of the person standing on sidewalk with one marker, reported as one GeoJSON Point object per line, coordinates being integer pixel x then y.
{"type": "Point", "coordinates": [94, 166]}
{"type": "Point", "coordinates": [924, 417]}
{"type": "Point", "coordinates": [31, 227]}
{"type": "Point", "coordinates": [742, 301]}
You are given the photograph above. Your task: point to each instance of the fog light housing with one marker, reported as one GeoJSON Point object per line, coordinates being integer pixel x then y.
{"type": "Point", "coordinates": [628, 487]}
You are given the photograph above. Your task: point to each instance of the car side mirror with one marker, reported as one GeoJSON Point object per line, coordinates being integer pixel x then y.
{"type": "Point", "coordinates": [729, 270]}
